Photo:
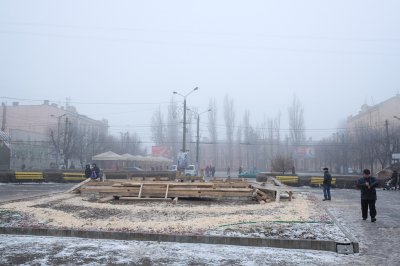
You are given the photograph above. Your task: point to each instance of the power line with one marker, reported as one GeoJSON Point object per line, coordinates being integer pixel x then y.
{"type": "Point", "coordinates": [190, 32]}
{"type": "Point", "coordinates": [87, 103]}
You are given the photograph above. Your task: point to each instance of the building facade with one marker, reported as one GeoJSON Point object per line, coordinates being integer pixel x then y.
{"type": "Point", "coordinates": [42, 136]}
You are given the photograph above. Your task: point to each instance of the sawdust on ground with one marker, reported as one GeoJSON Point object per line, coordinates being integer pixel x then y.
{"type": "Point", "coordinates": [71, 211]}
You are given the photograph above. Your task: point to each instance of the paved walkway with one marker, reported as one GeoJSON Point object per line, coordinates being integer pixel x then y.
{"type": "Point", "coordinates": [380, 241]}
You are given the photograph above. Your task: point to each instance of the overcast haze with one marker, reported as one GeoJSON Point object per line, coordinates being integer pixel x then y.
{"type": "Point", "coordinates": [334, 55]}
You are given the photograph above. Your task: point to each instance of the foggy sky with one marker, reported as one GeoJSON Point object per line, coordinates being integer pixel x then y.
{"type": "Point", "coordinates": [333, 55]}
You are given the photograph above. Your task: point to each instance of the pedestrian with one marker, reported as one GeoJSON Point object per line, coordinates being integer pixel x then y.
{"type": "Point", "coordinates": [212, 171]}
{"type": "Point", "coordinates": [327, 184]}
{"type": "Point", "coordinates": [367, 184]}
{"type": "Point", "coordinates": [228, 171]}
{"type": "Point", "coordinates": [240, 170]}
{"type": "Point", "coordinates": [88, 171]}
{"type": "Point", "coordinates": [394, 179]}
{"type": "Point", "coordinates": [208, 171]}
{"type": "Point", "coordinates": [95, 171]}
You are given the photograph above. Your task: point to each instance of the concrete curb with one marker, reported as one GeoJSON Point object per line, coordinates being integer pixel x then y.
{"type": "Point", "coordinates": [355, 245]}
{"type": "Point", "coordinates": [321, 245]}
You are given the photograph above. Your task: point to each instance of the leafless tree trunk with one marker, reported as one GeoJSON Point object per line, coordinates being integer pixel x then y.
{"type": "Point", "coordinates": [296, 121]}
{"type": "Point", "coordinates": [157, 127]}
{"type": "Point", "coordinates": [172, 128]}
{"type": "Point", "coordinates": [212, 128]}
{"type": "Point", "coordinates": [229, 116]}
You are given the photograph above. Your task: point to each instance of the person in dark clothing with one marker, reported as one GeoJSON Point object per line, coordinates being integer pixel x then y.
{"type": "Point", "coordinates": [88, 171]}
{"type": "Point", "coordinates": [394, 179]}
{"type": "Point", "coordinates": [367, 184]}
{"type": "Point", "coordinates": [327, 184]}
{"type": "Point", "coordinates": [95, 171]}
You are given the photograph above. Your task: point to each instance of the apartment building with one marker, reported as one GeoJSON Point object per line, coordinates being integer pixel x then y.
{"type": "Point", "coordinates": [38, 133]}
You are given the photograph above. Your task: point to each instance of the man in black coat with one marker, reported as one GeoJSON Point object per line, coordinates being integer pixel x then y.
{"type": "Point", "coordinates": [367, 184]}
{"type": "Point", "coordinates": [327, 184]}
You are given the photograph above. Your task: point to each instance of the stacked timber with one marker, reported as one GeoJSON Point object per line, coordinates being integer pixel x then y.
{"type": "Point", "coordinates": [164, 190]}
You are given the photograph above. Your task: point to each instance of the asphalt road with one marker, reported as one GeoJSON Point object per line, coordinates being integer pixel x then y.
{"type": "Point", "coordinates": [15, 191]}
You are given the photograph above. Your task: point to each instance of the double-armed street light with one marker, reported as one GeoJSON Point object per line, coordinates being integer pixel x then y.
{"type": "Point", "coordinates": [184, 116]}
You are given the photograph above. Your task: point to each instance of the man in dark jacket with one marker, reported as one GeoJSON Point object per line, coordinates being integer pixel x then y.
{"type": "Point", "coordinates": [95, 171]}
{"type": "Point", "coordinates": [367, 184]}
{"type": "Point", "coordinates": [327, 184]}
{"type": "Point", "coordinates": [88, 171]}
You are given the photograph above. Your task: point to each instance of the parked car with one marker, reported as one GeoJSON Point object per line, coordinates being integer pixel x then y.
{"type": "Point", "coordinates": [250, 174]}
{"type": "Point", "coordinates": [173, 168]}
{"type": "Point", "coordinates": [191, 170]}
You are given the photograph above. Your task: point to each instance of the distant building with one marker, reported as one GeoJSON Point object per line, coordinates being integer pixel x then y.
{"type": "Point", "coordinates": [383, 117]}
{"type": "Point", "coordinates": [376, 115]}
{"type": "Point", "coordinates": [37, 131]}
{"type": "Point", "coordinates": [4, 151]}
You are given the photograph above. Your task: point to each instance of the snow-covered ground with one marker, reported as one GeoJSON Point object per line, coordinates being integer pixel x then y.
{"type": "Point", "coordinates": [33, 250]}
{"type": "Point", "coordinates": [303, 218]}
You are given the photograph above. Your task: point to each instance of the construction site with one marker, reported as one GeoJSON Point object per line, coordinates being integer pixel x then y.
{"type": "Point", "coordinates": [218, 211]}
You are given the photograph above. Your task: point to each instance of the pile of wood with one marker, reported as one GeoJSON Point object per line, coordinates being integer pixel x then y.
{"type": "Point", "coordinates": [116, 189]}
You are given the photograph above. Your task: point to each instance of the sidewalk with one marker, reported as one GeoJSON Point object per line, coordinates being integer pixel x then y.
{"type": "Point", "coordinates": [380, 241]}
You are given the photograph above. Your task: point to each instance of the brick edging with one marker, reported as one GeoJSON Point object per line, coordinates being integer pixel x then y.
{"type": "Point", "coordinates": [322, 245]}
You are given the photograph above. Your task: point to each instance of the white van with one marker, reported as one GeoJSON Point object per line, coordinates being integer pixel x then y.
{"type": "Point", "coordinates": [191, 170]}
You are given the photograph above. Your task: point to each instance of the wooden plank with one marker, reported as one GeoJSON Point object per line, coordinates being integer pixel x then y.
{"type": "Point", "coordinates": [140, 191]}
{"type": "Point", "coordinates": [166, 191]}
{"type": "Point", "coordinates": [75, 189]}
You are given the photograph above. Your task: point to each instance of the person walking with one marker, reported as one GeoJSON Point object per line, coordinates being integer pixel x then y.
{"type": "Point", "coordinates": [228, 171]}
{"type": "Point", "coordinates": [367, 184]}
{"type": "Point", "coordinates": [327, 184]}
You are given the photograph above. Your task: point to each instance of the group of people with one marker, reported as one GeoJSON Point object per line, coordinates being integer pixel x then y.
{"type": "Point", "coordinates": [92, 172]}
{"type": "Point", "coordinates": [367, 184]}
{"type": "Point", "coordinates": [210, 171]}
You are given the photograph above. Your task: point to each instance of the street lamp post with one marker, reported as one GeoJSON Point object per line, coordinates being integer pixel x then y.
{"type": "Point", "coordinates": [184, 116]}
{"type": "Point", "coordinates": [198, 135]}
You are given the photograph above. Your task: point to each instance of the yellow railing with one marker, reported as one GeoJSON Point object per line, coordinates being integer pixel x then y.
{"type": "Point", "coordinates": [29, 176]}
{"type": "Point", "coordinates": [318, 180]}
{"type": "Point", "coordinates": [288, 179]}
{"type": "Point", "coordinates": [74, 176]}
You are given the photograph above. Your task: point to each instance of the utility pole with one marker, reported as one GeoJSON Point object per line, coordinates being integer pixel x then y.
{"type": "Point", "coordinates": [184, 116]}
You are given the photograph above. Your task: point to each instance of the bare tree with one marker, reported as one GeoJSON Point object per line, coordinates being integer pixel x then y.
{"type": "Point", "coordinates": [157, 127]}
{"type": "Point", "coordinates": [172, 132]}
{"type": "Point", "coordinates": [296, 121]}
{"type": "Point", "coordinates": [212, 128]}
{"type": "Point", "coordinates": [281, 164]}
{"type": "Point", "coordinates": [229, 116]}
{"type": "Point", "coordinates": [246, 136]}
